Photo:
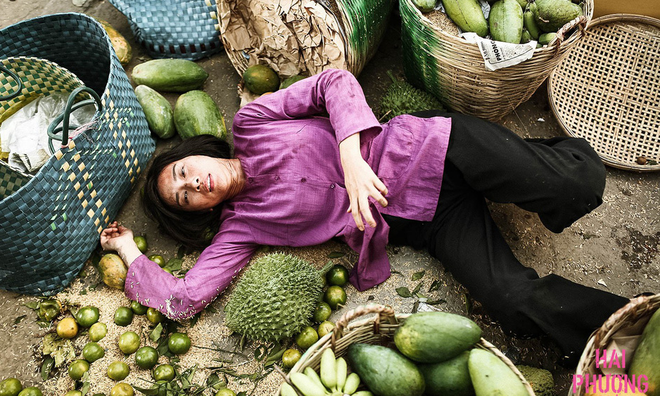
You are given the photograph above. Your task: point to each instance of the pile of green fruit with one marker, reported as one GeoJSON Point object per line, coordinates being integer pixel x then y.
{"type": "Point", "coordinates": [511, 21]}
{"type": "Point", "coordinates": [195, 112]}
{"type": "Point", "coordinates": [435, 354]}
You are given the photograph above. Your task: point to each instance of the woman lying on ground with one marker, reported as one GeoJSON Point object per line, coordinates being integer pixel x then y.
{"type": "Point", "coordinates": [313, 163]}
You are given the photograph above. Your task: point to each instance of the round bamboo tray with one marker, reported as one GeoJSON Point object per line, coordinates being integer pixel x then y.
{"type": "Point", "coordinates": [378, 329]}
{"type": "Point", "coordinates": [637, 310]}
{"type": "Point", "coordinates": [606, 91]}
{"type": "Point", "coordinates": [454, 71]}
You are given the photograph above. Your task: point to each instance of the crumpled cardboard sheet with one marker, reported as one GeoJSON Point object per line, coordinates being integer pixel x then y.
{"type": "Point", "coordinates": [291, 36]}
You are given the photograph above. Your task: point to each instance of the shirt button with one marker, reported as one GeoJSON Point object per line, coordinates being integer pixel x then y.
{"type": "Point", "coordinates": [303, 180]}
{"type": "Point", "coordinates": [250, 179]}
{"type": "Point", "coordinates": [277, 178]}
{"type": "Point", "coordinates": [332, 185]}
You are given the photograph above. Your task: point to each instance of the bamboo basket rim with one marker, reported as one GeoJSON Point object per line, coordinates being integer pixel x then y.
{"type": "Point", "coordinates": [616, 147]}
{"type": "Point", "coordinates": [637, 308]}
{"type": "Point", "coordinates": [385, 318]}
{"type": "Point", "coordinates": [581, 22]}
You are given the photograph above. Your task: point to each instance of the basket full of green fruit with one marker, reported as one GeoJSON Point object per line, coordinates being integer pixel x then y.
{"type": "Point", "coordinates": [438, 59]}
{"type": "Point", "coordinates": [410, 354]}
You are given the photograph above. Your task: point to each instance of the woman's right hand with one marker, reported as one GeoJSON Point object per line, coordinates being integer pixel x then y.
{"type": "Point", "coordinates": [120, 239]}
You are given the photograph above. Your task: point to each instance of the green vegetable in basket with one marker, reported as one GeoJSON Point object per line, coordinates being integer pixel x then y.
{"type": "Point", "coordinates": [403, 98]}
{"type": "Point", "coordinates": [275, 298]}
{"type": "Point", "coordinates": [529, 22]}
{"type": "Point", "coordinates": [551, 15]}
{"type": "Point", "coordinates": [333, 379]}
{"type": "Point", "coordinates": [450, 377]}
{"type": "Point", "coordinates": [491, 376]}
{"type": "Point", "coordinates": [645, 360]}
{"type": "Point", "coordinates": [467, 15]}
{"type": "Point", "coordinates": [540, 380]}
{"type": "Point", "coordinates": [385, 371]}
{"type": "Point", "coordinates": [424, 5]}
{"type": "Point", "coordinates": [506, 21]}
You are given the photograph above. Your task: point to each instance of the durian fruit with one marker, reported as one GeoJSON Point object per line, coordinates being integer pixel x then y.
{"type": "Point", "coordinates": [403, 98]}
{"type": "Point", "coordinates": [275, 297]}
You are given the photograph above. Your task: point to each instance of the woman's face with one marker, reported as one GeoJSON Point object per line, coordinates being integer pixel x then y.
{"type": "Point", "coordinates": [194, 183]}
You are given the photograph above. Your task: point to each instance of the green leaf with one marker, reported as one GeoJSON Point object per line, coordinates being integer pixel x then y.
{"type": "Point", "coordinates": [19, 319]}
{"type": "Point", "coordinates": [435, 285]}
{"type": "Point", "coordinates": [417, 288]}
{"type": "Point", "coordinates": [32, 305]}
{"type": "Point", "coordinates": [153, 391]}
{"type": "Point", "coordinates": [403, 292]}
{"type": "Point", "coordinates": [468, 303]}
{"type": "Point", "coordinates": [86, 383]}
{"type": "Point", "coordinates": [435, 302]}
{"type": "Point", "coordinates": [156, 332]}
{"type": "Point", "coordinates": [371, 298]}
{"type": "Point", "coordinates": [214, 381]}
{"type": "Point", "coordinates": [174, 264]}
{"type": "Point", "coordinates": [418, 275]}
{"type": "Point", "coordinates": [195, 318]}
{"type": "Point", "coordinates": [336, 255]}
{"type": "Point", "coordinates": [46, 367]}
{"type": "Point", "coordinates": [210, 309]}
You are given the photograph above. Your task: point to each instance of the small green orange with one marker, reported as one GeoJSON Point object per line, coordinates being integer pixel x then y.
{"type": "Point", "coordinates": [141, 243]}
{"type": "Point", "coordinates": [325, 328]}
{"type": "Point", "coordinates": [78, 368]}
{"type": "Point", "coordinates": [67, 327]}
{"type": "Point", "coordinates": [337, 275]}
{"type": "Point", "coordinates": [335, 296]}
{"type": "Point", "coordinates": [92, 352]}
{"type": "Point", "coordinates": [322, 312]}
{"type": "Point", "coordinates": [122, 389]}
{"type": "Point", "coordinates": [10, 387]}
{"type": "Point", "coordinates": [123, 316]}
{"type": "Point", "coordinates": [307, 337]}
{"type": "Point", "coordinates": [158, 259]}
{"type": "Point", "coordinates": [73, 392]}
{"type": "Point", "coordinates": [154, 316]}
{"type": "Point", "coordinates": [179, 343]}
{"type": "Point", "coordinates": [129, 342]}
{"type": "Point", "coordinates": [138, 308]}
{"type": "Point", "coordinates": [87, 316]}
{"type": "Point", "coordinates": [290, 358]}
{"type": "Point", "coordinates": [146, 357]}
{"type": "Point", "coordinates": [97, 331]}
{"type": "Point", "coordinates": [118, 370]}
{"type": "Point", "coordinates": [225, 392]}
{"type": "Point", "coordinates": [164, 372]}
{"type": "Point", "coordinates": [30, 391]}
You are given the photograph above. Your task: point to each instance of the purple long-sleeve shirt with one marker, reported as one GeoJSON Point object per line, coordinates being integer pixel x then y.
{"type": "Point", "coordinates": [294, 193]}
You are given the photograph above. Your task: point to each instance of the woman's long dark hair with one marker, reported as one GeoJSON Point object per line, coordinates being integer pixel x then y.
{"type": "Point", "coordinates": [192, 229]}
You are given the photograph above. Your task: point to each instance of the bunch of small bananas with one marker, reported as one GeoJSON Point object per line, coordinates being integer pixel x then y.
{"type": "Point", "coordinates": [334, 379]}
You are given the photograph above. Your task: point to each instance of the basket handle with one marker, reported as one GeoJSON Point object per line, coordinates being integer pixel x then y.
{"type": "Point", "coordinates": [54, 130]}
{"type": "Point", "coordinates": [385, 312]}
{"type": "Point", "coordinates": [580, 22]}
{"type": "Point", "coordinates": [18, 80]}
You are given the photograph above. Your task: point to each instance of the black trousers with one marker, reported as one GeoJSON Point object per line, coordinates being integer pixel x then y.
{"type": "Point", "coordinates": [561, 179]}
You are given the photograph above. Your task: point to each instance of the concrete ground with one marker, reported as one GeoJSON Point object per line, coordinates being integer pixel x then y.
{"type": "Point", "coordinates": [615, 248]}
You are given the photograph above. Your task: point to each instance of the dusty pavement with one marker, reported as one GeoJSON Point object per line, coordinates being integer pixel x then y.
{"type": "Point", "coordinates": [615, 248]}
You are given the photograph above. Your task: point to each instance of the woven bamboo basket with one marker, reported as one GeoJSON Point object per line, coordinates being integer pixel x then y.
{"type": "Point", "coordinates": [453, 69]}
{"type": "Point", "coordinates": [606, 91]}
{"type": "Point", "coordinates": [302, 36]}
{"type": "Point", "coordinates": [378, 329]}
{"type": "Point", "coordinates": [638, 311]}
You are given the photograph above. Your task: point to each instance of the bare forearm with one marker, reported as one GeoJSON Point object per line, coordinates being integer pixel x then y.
{"type": "Point", "coordinates": [129, 253]}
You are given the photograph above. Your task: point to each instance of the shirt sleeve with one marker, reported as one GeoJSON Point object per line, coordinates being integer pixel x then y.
{"type": "Point", "coordinates": [177, 298]}
{"type": "Point", "coordinates": [373, 266]}
{"type": "Point", "coordinates": [333, 91]}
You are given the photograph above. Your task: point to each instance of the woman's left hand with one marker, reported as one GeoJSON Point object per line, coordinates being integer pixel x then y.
{"type": "Point", "coordinates": [361, 182]}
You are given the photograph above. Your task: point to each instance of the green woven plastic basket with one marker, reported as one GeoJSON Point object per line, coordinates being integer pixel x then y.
{"type": "Point", "coordinates": [50, 222]}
